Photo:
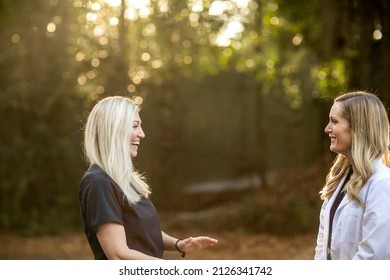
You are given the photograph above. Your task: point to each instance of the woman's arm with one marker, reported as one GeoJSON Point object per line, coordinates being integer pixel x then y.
{"type": "Point", "coordinates": [169, 242]}
{"type": "Point", "coordinates": [112, 238]}
{"type": "Point", "coordinates": [376, 223]}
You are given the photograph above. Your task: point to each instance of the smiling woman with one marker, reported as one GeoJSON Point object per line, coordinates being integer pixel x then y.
{"type": "Point", "coordinates": [120, 220]}
{"type": "Point", "coordinates": [355, 215]}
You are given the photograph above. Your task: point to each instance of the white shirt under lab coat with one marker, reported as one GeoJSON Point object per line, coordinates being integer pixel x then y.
{"type": "Point", "coordinates": [359, 232]}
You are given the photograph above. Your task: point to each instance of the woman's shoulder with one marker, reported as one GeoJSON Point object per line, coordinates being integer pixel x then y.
{"type": "Point", "coordinates": [96, 177]}
{"type": "Point", "coordinates": [381, 178]}
{"type": "Point", "coordinates": [382, 171]}
{"type": "Point", "coordinates": [94, 172]}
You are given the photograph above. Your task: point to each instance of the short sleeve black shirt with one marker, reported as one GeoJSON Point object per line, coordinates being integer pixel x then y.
{"type": "Point", "coordinates": [103, 201]}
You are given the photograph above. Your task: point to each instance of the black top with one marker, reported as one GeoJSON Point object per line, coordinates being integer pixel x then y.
{"type": "Point", "coordinates": [102, 201]}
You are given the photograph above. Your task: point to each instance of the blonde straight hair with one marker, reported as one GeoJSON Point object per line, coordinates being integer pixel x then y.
{"type": "Point", "coordinates": [107, 144]}
{"type": "Point", "coordinates": [369, 124]}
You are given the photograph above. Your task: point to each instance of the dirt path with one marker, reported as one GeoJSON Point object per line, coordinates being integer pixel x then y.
{"type": "Point", "coordinates": [230, 247]}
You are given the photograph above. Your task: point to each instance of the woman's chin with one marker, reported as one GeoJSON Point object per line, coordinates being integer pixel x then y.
{"type": "Point", "coordinates": [133, 154]}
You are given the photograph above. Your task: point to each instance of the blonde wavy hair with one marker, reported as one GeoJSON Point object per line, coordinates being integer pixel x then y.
{"type": "Point", "coordinates": [369, 125]}
{"type": "Point", "coordinates": [107, 144]}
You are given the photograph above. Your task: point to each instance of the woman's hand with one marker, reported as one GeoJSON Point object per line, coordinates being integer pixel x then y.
{"type": "Point", "coordinates": [196, 243]}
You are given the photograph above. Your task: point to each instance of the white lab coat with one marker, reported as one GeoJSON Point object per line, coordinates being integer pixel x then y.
{"type": "Point", "coordinates": [359, 232]}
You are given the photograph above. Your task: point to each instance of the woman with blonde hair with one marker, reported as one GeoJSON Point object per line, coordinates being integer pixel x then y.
{"type": "Point", "coordinates": [120, 220]}
{"type": "Point", "coordinates": [355, 215]}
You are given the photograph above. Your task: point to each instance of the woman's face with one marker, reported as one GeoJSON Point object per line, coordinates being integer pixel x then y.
{"type": "Point", "coordinates": [136, 135]}
{"type": "Point", "coordinates": [339, 131]}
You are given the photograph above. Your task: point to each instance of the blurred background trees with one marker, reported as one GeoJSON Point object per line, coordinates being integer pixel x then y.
{"type": "Point", "coordinates": [229, 89]}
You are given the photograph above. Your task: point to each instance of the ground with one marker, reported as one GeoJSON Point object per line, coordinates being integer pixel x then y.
{"type": "Point", "coordinates": [231, 246]}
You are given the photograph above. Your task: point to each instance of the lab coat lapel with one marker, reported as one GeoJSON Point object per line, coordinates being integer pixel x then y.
{"type": "Point", "coordinates": [344, 201]}
{"type": "Point", "coordinates": [327, 213]}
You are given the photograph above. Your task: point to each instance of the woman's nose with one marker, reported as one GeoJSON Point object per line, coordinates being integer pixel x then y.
{"type": "Point", "coordinates": [327, 129]}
